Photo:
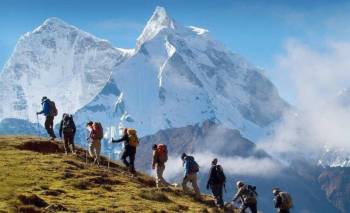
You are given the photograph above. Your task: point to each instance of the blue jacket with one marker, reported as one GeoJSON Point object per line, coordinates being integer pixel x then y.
{"type": "Point", "coordinates": [46, 107]}
{"type": "Point", "coordinates": [187, 164]}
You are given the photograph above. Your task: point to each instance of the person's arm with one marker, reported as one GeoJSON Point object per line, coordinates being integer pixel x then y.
{"type": "Point", "coordinates": [237, 195]}
{"type": "Point", "coordinates": [124, 138]}
{"type": "Point", "coordinates": [60, 130]}
{"type": "Point", "coordinates": [44, 109]}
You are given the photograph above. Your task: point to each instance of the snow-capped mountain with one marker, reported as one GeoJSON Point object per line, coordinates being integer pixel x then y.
{"type": "Point", "coordinates": [59, 61]}
{"type": "Point", "coordinates": [179, 76]}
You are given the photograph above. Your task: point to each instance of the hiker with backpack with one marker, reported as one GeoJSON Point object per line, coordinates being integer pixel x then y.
{"type": "Point", "coordinates": [191, 168]}
{"type": "Point", "coordinates": [131, 142]}
{"type": "Point", "coordinates": [247, 195]}
{"type": "Point", "coordinates": [216, 182]}
{"type": "Point", "coordinates": [283, 200]}
{"type": "Point", "coordinates": [160, 156]}
{"type": "Point", "coordinates": [67, 130]}
{"type": "Point", "coordinates": [95, 137]}
{"type": "Point", "coordinates": [50, 111]}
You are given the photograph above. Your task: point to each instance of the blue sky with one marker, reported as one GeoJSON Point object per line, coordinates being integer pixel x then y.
{"type": "Point", "coordinates": [256, 29]}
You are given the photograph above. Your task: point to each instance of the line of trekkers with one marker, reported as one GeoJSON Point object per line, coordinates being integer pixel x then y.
{"type": "Point", "coordinates": [246, 193]}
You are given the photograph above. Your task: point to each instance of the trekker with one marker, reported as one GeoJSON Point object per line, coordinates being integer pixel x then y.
{"type": "Point", "coordinates": [216, 182]}
{"type": "Point", "coordinates": [68, 129]}
{"type": "Point", "coordinates": [160, 156]}
{"type": "Point", "coordinates": [247, 195]}
{"type": "Point", "coordinates": [95, 137]}
{"type": "Point", "coordinates": [131, 141]}
{"type": "Point", "coordinates": [283, 200]}
{"type": "Point", "coordinates": [191, 168]}
{"type": "Point", "coordinates": [50, 111]}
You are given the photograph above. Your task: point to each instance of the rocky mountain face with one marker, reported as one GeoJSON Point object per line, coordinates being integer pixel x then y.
{"type": "Point", "coordinates": [335, 181]}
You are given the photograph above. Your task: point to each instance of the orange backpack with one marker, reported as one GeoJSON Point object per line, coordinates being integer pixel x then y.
{"type": "Point", "coordinates": [97, 131]}
{"type": "Point", "coordinates": [162, 153]}
{"type": "Point", "coordinates": [133, 139]}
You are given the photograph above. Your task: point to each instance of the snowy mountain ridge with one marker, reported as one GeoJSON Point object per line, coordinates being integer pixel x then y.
{"type": "Point", "coordinates": [174, 77]}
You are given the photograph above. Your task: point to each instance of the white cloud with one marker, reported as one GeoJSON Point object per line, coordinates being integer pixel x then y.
{"type": "Point", "coordinates": [317, 76]}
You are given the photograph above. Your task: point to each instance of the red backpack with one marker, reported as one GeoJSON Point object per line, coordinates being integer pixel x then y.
{"type": "Point", "coordinates": [97, 131]}
{"type": "Point", "coordinates": [162, 153]}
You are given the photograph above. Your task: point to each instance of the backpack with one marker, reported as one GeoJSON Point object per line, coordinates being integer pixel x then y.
{"type": "Point", "coordinates": [162, 153]}
{"type": "Point", "coordinates": [287, 201]}
{"type": "Point", "coordinates": [249, 196]}
{"type": "Point", "coordinates": [97, 131]}
{"type": "Point", "coordinates": [193, 165]}
{"type": "Point", "coordinates": [133, 139]}
{"type": "Point", "coordinates": [52, 109]}
{"type": "Point", "coordinates": [68, 124]}
{"type": "Point", "coordinates": [217, 175]}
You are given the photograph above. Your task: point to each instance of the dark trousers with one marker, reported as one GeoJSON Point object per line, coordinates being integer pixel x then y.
{"type": "Point", "coordinates": [49, 126]}
{"type": "Point", "coordinates": [217, 190]}
{"type": "Point", "coordinates": [283, 211]}
{"type": "Point", "coordinates": [68, 139]}
{"type": "Point", "coordinates": [130, 152]}
{"type": "Point", "coordinates": [252, 208]}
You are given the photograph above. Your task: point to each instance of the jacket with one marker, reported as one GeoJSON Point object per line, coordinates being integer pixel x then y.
{"type": "Point", "coordinates": [61, 127]}
{"type": "Point", "coordinates": [211, 179]}
{"type": "Point", "coordinates": [187, 165]}
{"type": "Point", "coordinates": [45, 107]}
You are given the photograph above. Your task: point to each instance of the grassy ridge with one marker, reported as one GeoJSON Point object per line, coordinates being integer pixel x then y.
{"type": "Point", "coordinates": [36, 177]}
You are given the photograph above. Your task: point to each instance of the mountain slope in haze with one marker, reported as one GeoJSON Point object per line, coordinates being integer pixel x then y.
{"type": "Point", "coordinates": [56, 60]}
{"type": "Point", "coordinates": [179, 76]}
{"type": "Point", "coordinates": [66, 183]}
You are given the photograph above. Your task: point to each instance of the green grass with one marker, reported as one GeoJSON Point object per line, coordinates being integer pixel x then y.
{"type": "Point", "coordinates": [34, 174]}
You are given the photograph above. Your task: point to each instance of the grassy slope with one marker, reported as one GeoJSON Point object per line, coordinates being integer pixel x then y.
{"type": "Point", "coordinates": [77, 186]}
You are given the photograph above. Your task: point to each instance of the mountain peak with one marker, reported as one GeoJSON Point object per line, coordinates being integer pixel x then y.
{"type": "Point", "coordinates": [158, 21]}
{"type": "Point", "coordinates": [54, 21]}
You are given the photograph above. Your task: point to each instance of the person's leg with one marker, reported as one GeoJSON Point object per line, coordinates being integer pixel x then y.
{"type": "Point", "coordinates": [50, 126]}
{"type": "Point", "coordinates": [162, 180]}
{"type": "Point", "coordinates": [132, 158]}
{"type": "Point", "coordinates": [195, 185]}
{"type": "Point", "coordinates": [91, 149]}
{"type": "Point", "coordinates": [47, 125]}
{"type": "Point", "coordinates": [65, 142]}
{"type": "Point", "coordinates": [221, 195]}
{"type": "Point", "coordinates": [98, 150]}
{"type": "Point", "coordinates": [124, 156]}
{"type": "Point", "coordinates": [253, 208]}
{"type": "Point", "coordinates": [214, 190]}
{"type": "Point", "coordinates": [158, 174]}
{"type": "Point", "coordinates": [184, 184]}
{"type": "Point", "coordinates": [71, 143]}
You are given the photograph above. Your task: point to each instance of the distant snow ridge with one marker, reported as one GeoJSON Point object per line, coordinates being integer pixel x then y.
{"type": "Point", "coordinates": [175, 76]}
{"type": "Point", "coordinates": [57, 60]}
